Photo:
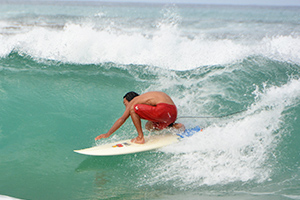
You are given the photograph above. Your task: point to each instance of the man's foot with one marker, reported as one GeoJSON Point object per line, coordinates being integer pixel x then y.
{"type": "Point", "coordinates": [178, 126]}
{"type": "Point", "coordinates": [138, 140]}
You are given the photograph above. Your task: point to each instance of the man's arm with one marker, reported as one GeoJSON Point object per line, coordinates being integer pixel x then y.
{"type": "Point", "coordinates": [116, 125]}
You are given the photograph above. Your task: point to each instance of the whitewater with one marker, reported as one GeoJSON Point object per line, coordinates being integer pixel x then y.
{"type": "Point", "coordinates": [65, 66]}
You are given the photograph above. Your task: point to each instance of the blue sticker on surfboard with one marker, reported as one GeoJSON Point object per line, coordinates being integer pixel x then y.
{"type": "Point", "coordinates": [189, 132]}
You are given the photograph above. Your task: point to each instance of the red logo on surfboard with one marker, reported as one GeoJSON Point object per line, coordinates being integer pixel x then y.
{"type": "Point", "coordinates": [121, 145]}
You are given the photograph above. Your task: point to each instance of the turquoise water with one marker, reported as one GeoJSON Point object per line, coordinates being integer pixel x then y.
{"type": "Point", "coordinates": [65, 67]}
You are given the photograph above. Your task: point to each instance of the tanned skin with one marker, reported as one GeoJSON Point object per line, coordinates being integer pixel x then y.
{"type": "Point", "coordinates": [149, 98]}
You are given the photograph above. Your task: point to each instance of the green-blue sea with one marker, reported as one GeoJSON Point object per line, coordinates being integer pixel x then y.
{"type": "Point", "coordinates": [65, 67]}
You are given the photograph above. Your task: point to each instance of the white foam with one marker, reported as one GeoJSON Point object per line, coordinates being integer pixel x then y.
{"type": "Point", "coordinates": [166, 47]}
{"type": "Point", "coordinates": [3, 197]}
{"type": "Point", "coordinates": [238, 150]}
{"type": "Point", "coordinates": [283, 48]}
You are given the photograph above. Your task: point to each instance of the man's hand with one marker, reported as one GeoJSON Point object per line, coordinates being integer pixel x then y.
{"type": "Point", "coordinates": [102, 136]}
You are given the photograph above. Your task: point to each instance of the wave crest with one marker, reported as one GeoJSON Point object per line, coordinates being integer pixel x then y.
{"type": "Point", "coordinates": [166, 47]}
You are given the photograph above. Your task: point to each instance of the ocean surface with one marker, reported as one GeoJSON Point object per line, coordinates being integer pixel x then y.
{"type": "Point", "coordinates": [64, 68]}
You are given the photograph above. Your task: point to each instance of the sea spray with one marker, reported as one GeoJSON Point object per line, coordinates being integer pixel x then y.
{"type": "Point", "coordinates": [166, 46]}
{"type": "Point", "coordinates": [239, 150]}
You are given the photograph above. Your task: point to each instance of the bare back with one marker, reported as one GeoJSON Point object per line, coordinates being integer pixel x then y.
{"type": "Point", "coordinates": [153, 98]}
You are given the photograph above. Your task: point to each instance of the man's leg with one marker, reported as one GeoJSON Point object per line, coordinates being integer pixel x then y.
{"type": "Point", "coordinates": [138, 125]}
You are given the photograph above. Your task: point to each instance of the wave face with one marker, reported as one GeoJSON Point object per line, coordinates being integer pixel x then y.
{"type": "Point", "coordinates": [64, 68]}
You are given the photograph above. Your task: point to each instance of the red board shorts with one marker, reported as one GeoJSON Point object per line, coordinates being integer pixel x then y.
{"type": "Point", "coordinates": [162, 115]}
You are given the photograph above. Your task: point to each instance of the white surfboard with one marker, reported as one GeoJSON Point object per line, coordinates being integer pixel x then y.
{"type": "Point", "coordinates": [127, 147]}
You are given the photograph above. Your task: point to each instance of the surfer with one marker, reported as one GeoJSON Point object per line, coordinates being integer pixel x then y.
{"type": "Point", "coordinates": [156, 107]}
